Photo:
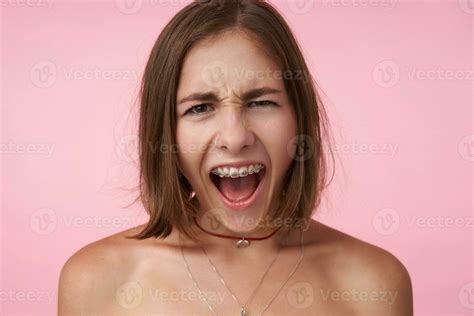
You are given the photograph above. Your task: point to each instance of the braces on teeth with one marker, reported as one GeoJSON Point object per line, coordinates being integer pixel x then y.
{"type": "Point", "coordinates": [237, 172]}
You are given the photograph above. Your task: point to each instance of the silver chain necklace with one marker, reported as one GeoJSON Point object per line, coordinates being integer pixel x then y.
{"type": "Point", "coordinates": [243, 312]}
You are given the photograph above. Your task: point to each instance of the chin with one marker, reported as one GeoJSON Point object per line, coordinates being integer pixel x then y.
{"type": "Point", "coordinates": [245, 221]}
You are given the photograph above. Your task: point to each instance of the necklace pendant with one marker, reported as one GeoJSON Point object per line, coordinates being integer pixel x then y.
{"type": "Point", "coordinates": [242, 312]}
{"type": "Point", "coordinates": [242, 243]}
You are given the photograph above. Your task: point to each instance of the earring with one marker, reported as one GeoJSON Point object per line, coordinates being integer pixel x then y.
{"type": "Point", "coordinates": [192, 195]}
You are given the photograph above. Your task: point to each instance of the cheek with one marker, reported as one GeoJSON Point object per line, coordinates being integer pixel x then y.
{"type": "Point", "coordinates": [189, 151]}
{"type": "Point", "coordinates": [278, 135]}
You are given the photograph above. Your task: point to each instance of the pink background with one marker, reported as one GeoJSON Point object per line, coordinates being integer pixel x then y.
{"type": "Point", "coordinates": [405, 139]}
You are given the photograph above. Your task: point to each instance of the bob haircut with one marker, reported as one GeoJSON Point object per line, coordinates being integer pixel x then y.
{"type": "Point", "coordinates": [163, 189]}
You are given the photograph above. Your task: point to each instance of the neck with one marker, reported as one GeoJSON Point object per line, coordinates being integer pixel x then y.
{"type": "Point", "coordinates": [227, 247]}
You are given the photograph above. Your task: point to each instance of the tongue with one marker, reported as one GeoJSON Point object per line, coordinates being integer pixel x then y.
{"type": "Point", "coordinates": [237, 189]}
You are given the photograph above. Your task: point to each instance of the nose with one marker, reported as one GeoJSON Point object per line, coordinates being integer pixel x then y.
{"type": "Point", "coordinates": [234, 133]}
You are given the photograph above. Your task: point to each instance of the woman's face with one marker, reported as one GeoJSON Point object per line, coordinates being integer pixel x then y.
{"type": "Point", "coordinates": [232, 110]}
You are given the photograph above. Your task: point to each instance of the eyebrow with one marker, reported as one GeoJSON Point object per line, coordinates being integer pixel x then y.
{"type": "Point", "coordinates": [247, 96]}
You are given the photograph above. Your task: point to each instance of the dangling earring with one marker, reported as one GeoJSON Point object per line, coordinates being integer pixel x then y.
{"type": "Point", "coordinates": [192, 195]}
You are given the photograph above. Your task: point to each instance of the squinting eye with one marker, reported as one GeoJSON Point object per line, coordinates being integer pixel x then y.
{"type": "Point", "coordinates": [264, 103]}
{"type": "Point", "coordinates": [201, 108]}
{"type": "Point", "coordinates": [192, 109]}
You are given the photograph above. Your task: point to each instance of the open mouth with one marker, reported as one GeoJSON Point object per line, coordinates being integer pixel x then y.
{"type": "Point", "coordinates": [239, 192]}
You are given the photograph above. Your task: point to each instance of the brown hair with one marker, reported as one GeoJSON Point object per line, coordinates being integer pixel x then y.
{"type": "Point", "coordinates": [164, 191]}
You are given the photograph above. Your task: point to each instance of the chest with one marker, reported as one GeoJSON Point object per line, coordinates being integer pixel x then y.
{"type": "Point", "coordinates": [171, 288]}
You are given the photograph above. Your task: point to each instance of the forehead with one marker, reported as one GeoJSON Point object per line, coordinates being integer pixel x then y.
{"type": "Point", "coordinates": [232, 60]}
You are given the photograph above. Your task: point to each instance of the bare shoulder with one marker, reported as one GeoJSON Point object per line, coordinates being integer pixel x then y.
{"type": "Point", "coordinates": [370, 279]}
{"type": "Point", "coordinates": [92, 271]}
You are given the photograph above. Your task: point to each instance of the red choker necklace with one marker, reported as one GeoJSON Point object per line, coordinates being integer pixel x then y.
{"type": "Point", "coordinates": [241, 242]}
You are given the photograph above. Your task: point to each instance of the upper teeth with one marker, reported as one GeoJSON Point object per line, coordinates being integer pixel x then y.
{"type": "Point", "coordinates": [237, 172]}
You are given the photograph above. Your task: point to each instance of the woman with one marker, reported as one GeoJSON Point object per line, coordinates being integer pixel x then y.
{"type": "Point", "coordinates": [231, 169]}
